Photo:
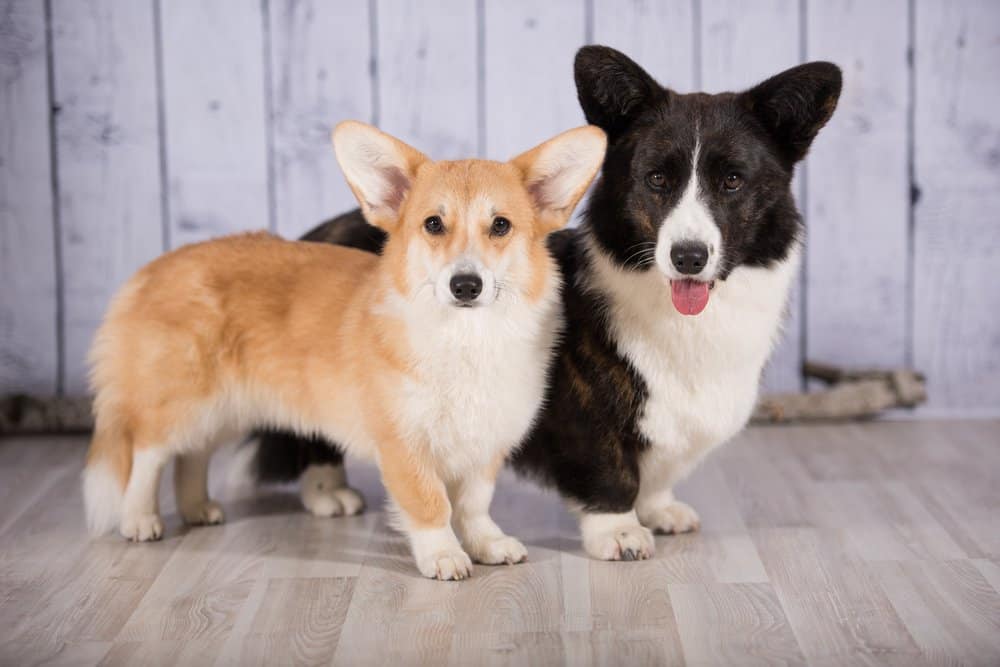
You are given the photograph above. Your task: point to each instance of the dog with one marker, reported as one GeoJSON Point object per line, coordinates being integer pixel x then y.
{"type": "Point", "coordinates": [676, 284]}
{"type": "Point", "coordinates": [430, 359]}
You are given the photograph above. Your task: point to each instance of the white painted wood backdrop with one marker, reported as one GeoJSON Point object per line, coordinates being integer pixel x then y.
{"type": "Point", "coordinates": [129, 127]}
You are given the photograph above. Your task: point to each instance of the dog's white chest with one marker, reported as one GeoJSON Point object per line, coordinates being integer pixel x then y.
{"type": "Point", "coordinates": [474, 400]}
{"type": "Point", "coordinates": [702, 372]}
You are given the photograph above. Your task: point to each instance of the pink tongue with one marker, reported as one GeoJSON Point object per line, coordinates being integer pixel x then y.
{"type": "Point", "coordinates": [689, 296]}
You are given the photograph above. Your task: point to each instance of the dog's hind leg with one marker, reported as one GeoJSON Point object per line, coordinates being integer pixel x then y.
{"type": "Point", "coordinates": [140, 520]}
{"type": "Point", "coordinates": [324, 491]}
{"type": "Point", "coordinates": [191, 489]}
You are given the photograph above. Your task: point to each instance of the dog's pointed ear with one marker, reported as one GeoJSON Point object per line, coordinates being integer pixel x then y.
{"type": "Point", "coordinates": [612, 88]}
{"type": "Point", "coordinates": [558, 172]}
{"type": "Point", "coordinates": [796, 104]}
{"type": "Point", "coordinates": [380, 170]}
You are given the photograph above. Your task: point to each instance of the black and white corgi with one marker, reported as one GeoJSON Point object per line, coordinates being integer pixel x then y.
{"type": "Point", "coordinates": [675, 287]}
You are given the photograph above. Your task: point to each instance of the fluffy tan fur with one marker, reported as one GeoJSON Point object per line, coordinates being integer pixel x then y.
{"type": "Point", "coordinates": [219, 337]}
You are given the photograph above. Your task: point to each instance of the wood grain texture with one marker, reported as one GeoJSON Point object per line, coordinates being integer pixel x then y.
{"type": "Point", "coordinates": [827, 545]}
{"type": "Point", "coordinates": [858, 186]}
{"type": "Point", "coordinates": [428, 83]}
{"type": "Point", "coordinates": [748, 625]}
{"type": "Point", "coordinates": [957, 169]}
{"type": "Point", "coordinates": [743, 44]}
{"type": "Point", "coordinates": [28, 309]}
{"type": "Point", "coordinates": [298, 621]}
{"type": "Point", "coordinates": [660, 36]}
{"type": "Point", "coordinates": [214, 105]}
{"type": "Point", "coordinates": [320, 75]}
{"type": "Point", "coordinates": [251, 90]}
{"type": "Point", "coordinates": [108, 159]}
{"type": "Point", "coordinates": [948, 607]}
{"type": "Point", "coordinates": [528, 51]}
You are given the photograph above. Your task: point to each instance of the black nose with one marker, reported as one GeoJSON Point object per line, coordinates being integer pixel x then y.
{"type": "Point", "coordinates": [689, 257]}
{"type": "Point", "coordinates": [466, 286]}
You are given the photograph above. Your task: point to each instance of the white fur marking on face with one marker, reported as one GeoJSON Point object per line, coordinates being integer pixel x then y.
{"type": "Point", "coordinates": [690, 220]}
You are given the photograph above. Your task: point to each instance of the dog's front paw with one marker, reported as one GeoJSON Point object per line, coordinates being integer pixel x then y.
{"type": "Point", "coordinates": [497, 550]}
{"type": "Point", "coordinates": [616, 536]}
{"type": "Point", "coordinates": [631, 543]}
{"type": "Point", "coordinates": [142, 528]}
{"type": "Point", "coordinates": [325, 494]}
{"type": "Point", "coordinates": [207, 513]}
{"type": "Point", "coordinates": [446, 565]}
{"type": "Point", "coordinates": [673, 517]}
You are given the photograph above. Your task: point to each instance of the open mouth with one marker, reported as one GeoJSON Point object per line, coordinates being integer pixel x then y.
{"type": "Point", "coordinates": [690, 296]}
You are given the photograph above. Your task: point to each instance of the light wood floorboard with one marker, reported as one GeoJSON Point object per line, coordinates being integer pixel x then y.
{"type": "Point", "coordinates": [874, 544]}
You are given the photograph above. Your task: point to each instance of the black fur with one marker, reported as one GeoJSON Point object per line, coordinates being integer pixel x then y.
{"type": "Point", "coordinates": [586, 441]}
{"type": "Point", "coordinates": [283, 456]}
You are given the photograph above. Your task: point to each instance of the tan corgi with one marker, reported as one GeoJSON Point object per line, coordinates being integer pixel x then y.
{"type": "Point", "coordinates": [430, 359]}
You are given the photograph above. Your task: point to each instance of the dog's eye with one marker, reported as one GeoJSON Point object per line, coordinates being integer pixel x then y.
{"type": "Point", "coordinates": [732, 182]}
{"type": "Point", "coordinates": [656, 180]}
{"type": "Point", "coordinates": [434, 226]}
{"type": "Point", "coordinates": [500, 226]}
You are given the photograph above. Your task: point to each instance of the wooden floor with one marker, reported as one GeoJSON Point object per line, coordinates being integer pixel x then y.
{"type": "Point", "coordinates": [873, 544]}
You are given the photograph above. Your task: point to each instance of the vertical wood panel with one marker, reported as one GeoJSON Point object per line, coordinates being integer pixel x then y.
{"type": "Point", "coordinates": [320, 75]}
{"type": "Point", "coordinates": [743, 44]}
{"type": "Point", "coordinates": [214, 101]}
{"type": "Point", "coordinates": [957, 239]}
{"type": "Point", "coordinates": [529, 51]}
{"type": "Point", "coordinates": [428, 75]}
{"type": "Point", "coordinates": [28, 344]}
{"type": "Point", "coordinates": [858, 185]}
{"type": "Point", "coordinates": [108, 158]}
{"type": "Point", "coordinates": [660, 36]}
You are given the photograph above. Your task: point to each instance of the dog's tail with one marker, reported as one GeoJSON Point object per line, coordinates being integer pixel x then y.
{"type": "Point", "coordinates": [109, 465]}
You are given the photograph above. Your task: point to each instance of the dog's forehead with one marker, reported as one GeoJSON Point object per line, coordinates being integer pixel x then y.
{"type": "Point", "coordinates": [473, 188]}
{"type": "Point", "coordinates": [715, 124]}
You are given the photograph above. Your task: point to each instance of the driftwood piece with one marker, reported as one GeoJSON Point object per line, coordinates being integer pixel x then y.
{"type": "Point", "coordinates": [853, 394]}
{"type": "Point", "coordinates": [20, 413]}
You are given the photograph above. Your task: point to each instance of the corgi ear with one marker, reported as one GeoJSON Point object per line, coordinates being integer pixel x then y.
{"type": "Point", "coordinates": [380, 170]}
{"type": "Point", "coordinates": [558, 172]}
{"type": "Point", "coordinates": [794, 105]}
{"type": "Point", "coordinates": [612, 88]}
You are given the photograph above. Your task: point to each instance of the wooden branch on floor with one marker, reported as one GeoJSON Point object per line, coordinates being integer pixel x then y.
{"type": "Point", "coordinates": [20, 413]}
{"type": "Point", "coordinates": [852, 394]}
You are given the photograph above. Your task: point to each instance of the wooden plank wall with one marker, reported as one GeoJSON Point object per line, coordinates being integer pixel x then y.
{"type": "Point", "coordinates": [130, 127]}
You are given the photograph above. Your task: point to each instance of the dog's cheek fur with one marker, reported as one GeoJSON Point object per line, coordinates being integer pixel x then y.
{"type": "Point", "coordinates": [758, 226]}
{"type": "Point", "coordinates": [625, 218]}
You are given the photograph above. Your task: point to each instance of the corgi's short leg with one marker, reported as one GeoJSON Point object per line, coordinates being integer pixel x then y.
{"type": "Point", "coordinates": [655, 503]}
{"type": "Point", "coordinates": [663, 513]}
{"type": "Point", "coordinates": [615, 536]}
{"type": "Point", "coordinates": [484, 540]}
{"type": "Point", "coordinates": [191, 489]}
{"type": "Point", "coordinates": [421, 499]}
{"type": "Point", "coordinates": [141, 520]}
{"type": "Point", "coordinates": [324, 491]}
